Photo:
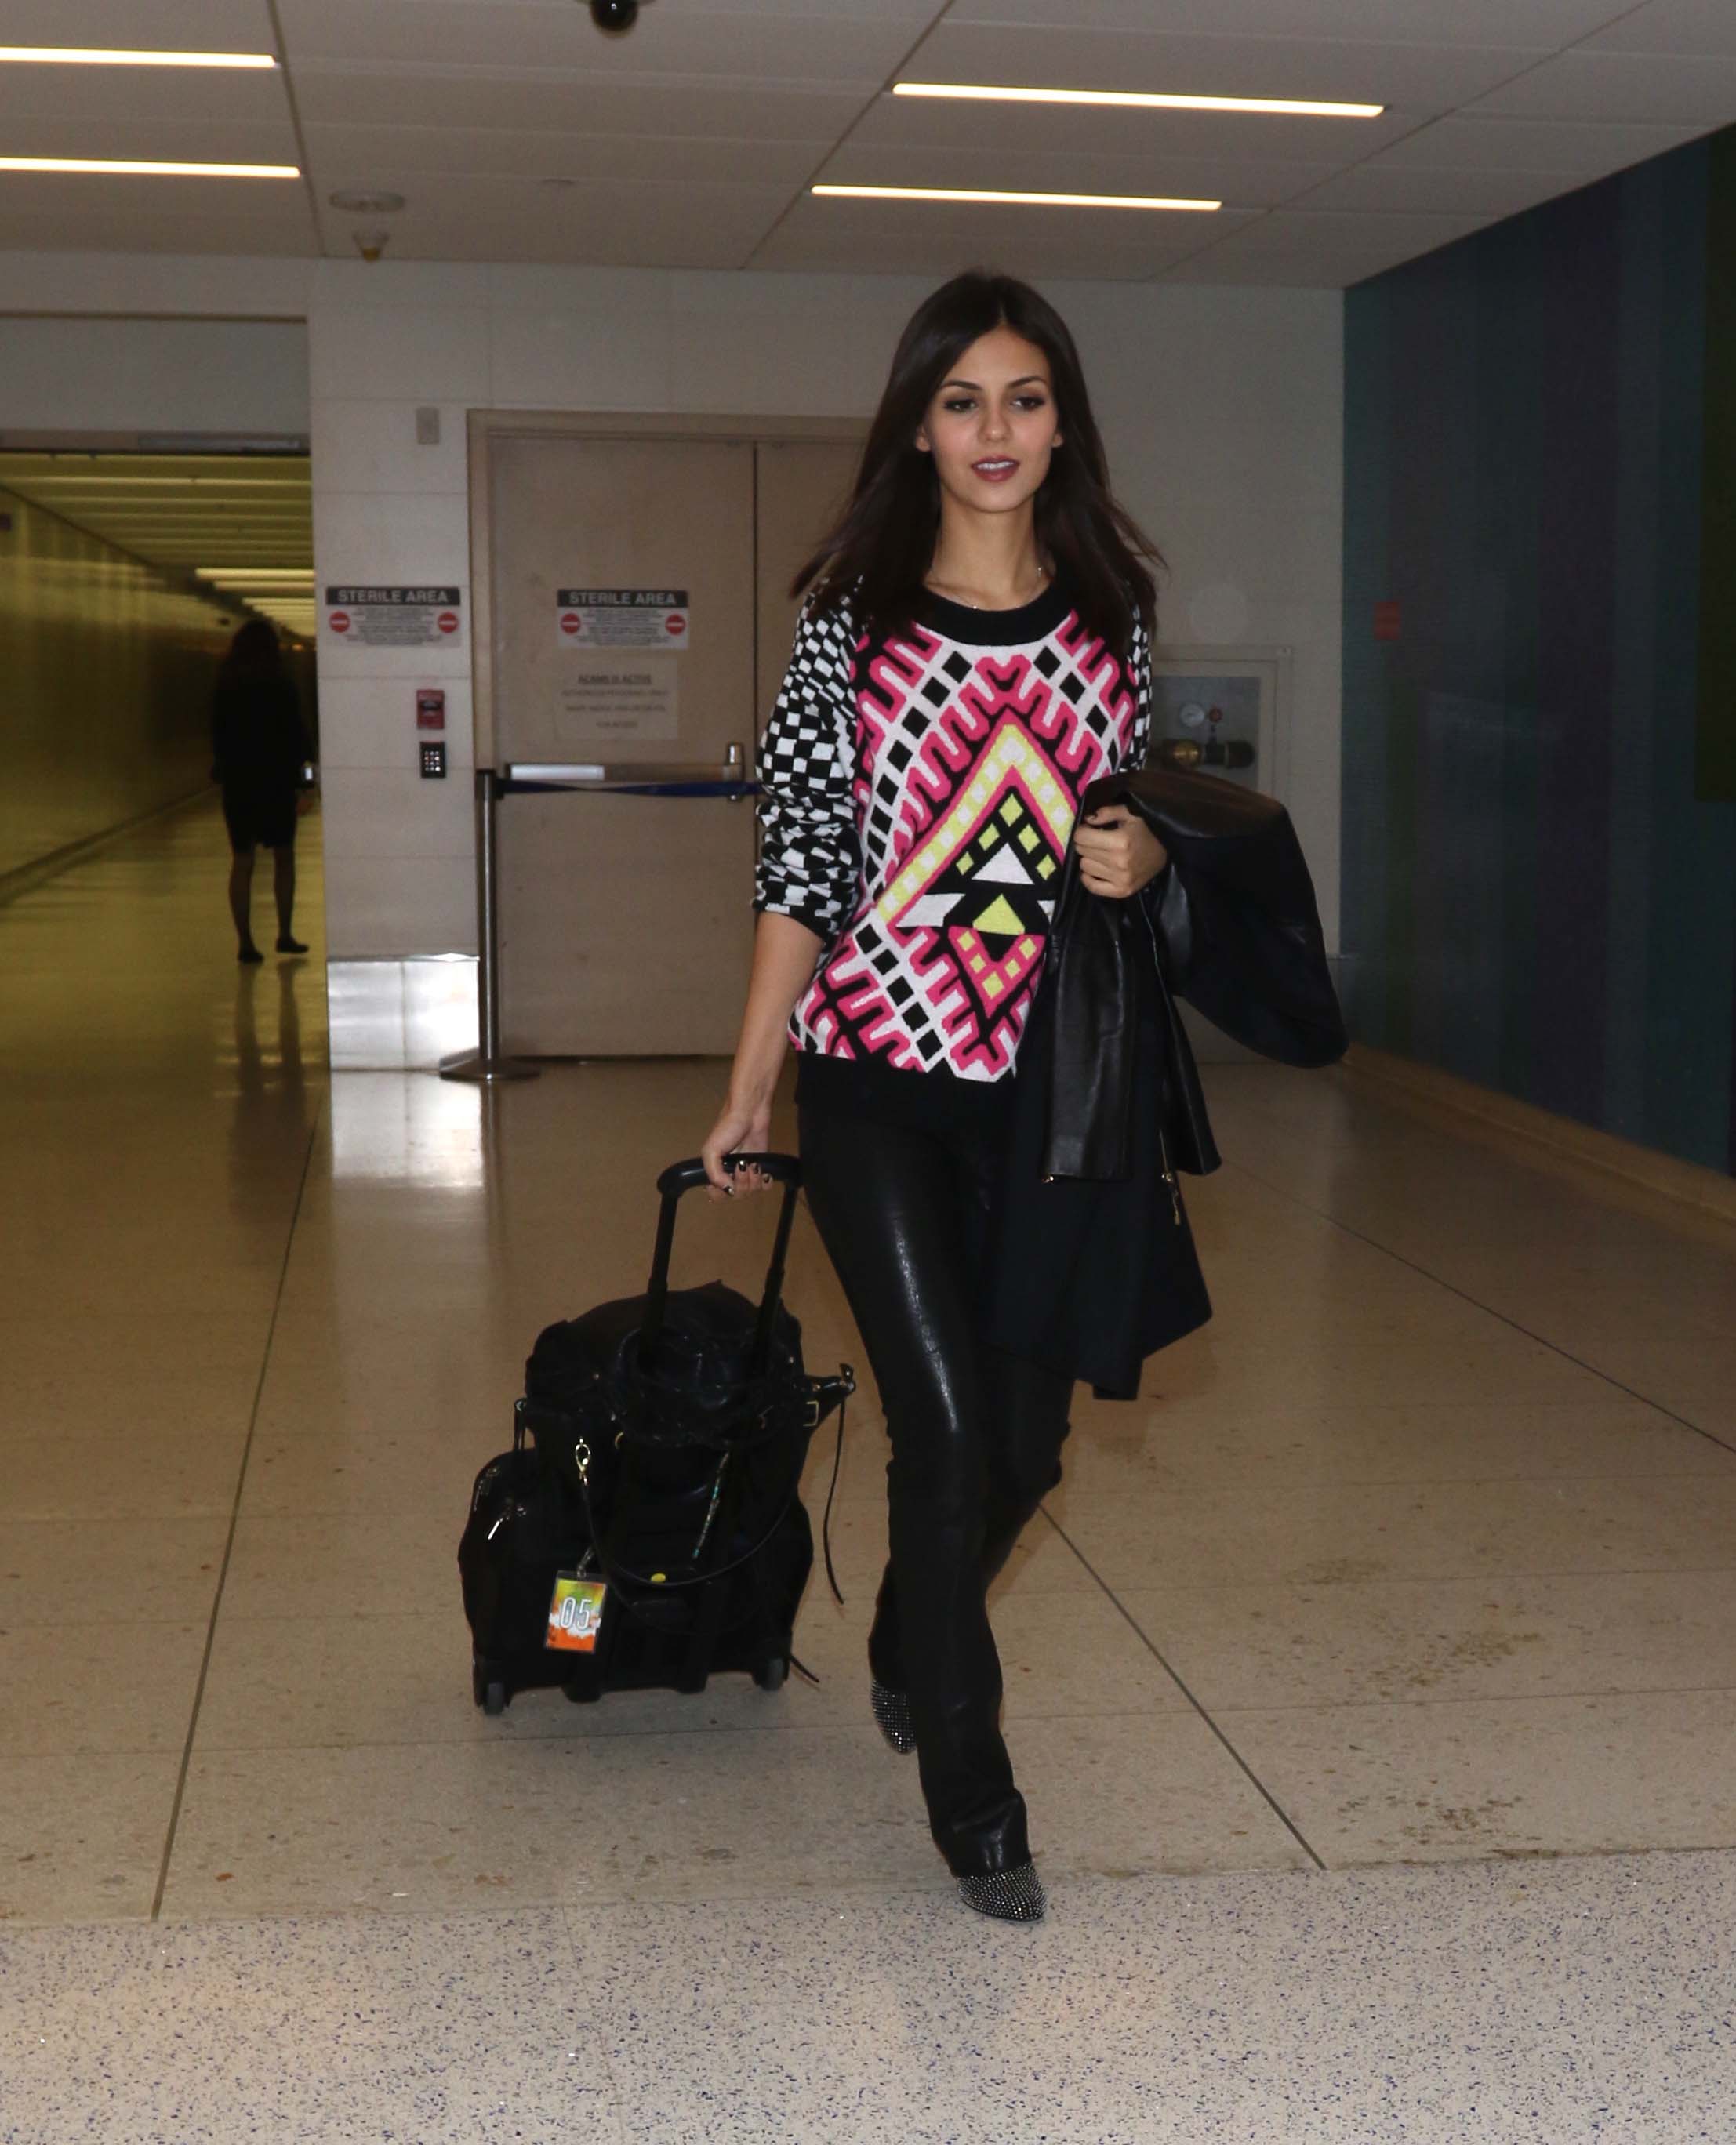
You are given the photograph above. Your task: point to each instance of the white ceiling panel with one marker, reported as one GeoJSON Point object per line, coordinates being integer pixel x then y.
{"type": "Point", "coordinates": [344, 156]}
{"type": "Point", "coordinates": [690, 140]}
{"type": "Point", "coordinates": [628, 223]}
{"type": "Point", "coordinates": [1426, 77]}
{"type": "Point", "coordinates": [1620, 86]}
{"type": "Point", "coordinates": [213, 138]}
{"type": "Point", "coordinates": [556, 104]}
{"type": "Point", "coordinates": [100, 223]}
{"type": "Point", "coordinates": [1543, 25]}
{"type": "Point", "coordinates": [937, 122]}
{"type": "Point", "coordinates": [1531, 145]}
{"type": "Point", "coordinates": [941, 237]}
{"type": "Point", "coordinates": [1478, 191]}
{"type": "Point", "coordinates": [1336, 248]}
{"type": "Point", "coordinates": [1243, 184]}
{"type": "Point", "coordinates": [99, 96]}
{"type": "Point", "coordinates": [1704, 27]}
{"type": "Point", "coordinates": [560, 34]}
{"type": "Point", "coordinates": [222, 26]}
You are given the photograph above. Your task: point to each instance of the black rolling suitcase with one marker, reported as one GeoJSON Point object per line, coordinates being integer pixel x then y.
{"type": "Point", "coordinates": [646, 1528]}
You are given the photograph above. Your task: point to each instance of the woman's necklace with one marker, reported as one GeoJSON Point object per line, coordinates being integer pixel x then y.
{"type": "Point", "coordinates": [944, 588]}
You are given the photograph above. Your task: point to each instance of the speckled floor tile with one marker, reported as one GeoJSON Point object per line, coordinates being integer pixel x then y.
{"type": "Point", "coordinates": [1151, 1445]}
{"type": "Point", "coordinates": [166, 1476]}
{"type": "Point", "coordinates": [349, 1680]}
{"type": "Point", "coordinates": [81, 1687]}
{"type": "Point", "coordinates": [1505, 1367]}
{"type": "Point", "coordinates": [52, 1571]}
{"type": "Point", "coordinates": [1120, 1794]}
{"type": "Point", "coordinates": [357, 1561]}
{"type": "Point", "coordinates": [82, 1837]}
{"type": "Point", "coordinates": [1423, 1640]}
{"type": "Point", "coordinates": [387, 1468]}
{"type": "Point", "coordinates": [1309, 1535]}
{"type": "Point", "coordinates": [435, 1828]}
{"type": "Point", "coordinates": [1350, 2009]}
{"type": "Point", "coordinates": [334, 2031]}
{"type": "Point", "coordinates": [1500, 1777]}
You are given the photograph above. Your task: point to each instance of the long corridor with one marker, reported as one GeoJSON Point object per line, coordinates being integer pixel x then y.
{"type": "Point", "coordinates": [1371, 1679]}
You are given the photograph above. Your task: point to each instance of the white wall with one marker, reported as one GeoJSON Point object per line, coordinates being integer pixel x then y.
{"type": "Point", "coordinates": [1222, 409]}
{"type": "Point", "coordinates": [70, 375]}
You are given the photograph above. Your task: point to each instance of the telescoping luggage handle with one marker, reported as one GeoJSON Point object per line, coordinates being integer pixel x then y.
{"type": "Point", "coordinates": [683, 1176]}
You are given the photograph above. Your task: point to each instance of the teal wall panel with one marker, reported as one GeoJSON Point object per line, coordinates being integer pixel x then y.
{"type": "Point", "coordinates": [1539, 888]}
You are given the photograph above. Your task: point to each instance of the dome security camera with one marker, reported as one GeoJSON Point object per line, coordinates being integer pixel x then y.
{"type": "Point", "coordinates": [615, 15]}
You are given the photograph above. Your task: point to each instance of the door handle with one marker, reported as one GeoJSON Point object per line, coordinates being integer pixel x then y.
{"type": "Point", "coordinates": [582, 775]}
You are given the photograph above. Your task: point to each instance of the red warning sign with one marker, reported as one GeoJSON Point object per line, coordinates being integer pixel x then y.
{"type": "Point", "coordinates": [675, 623]}
{"type": "Point", "coordinates": [569, 622]}
{"type": "Point", "coordinates": [447, 621]}
{"type": "Point", "coordinates": [339, 621]}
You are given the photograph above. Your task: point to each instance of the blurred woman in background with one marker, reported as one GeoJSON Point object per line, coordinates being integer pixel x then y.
{"type": "Point", "coordinates": [259, 752]}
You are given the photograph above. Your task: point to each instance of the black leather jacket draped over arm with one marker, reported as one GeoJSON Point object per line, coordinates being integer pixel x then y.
{"type": "Point", "coordinates": [1230, 924]}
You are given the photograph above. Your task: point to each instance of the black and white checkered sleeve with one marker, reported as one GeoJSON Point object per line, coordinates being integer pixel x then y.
{"type": "Point", "coordinates": [1140, 743]}
{"type": "Point", "coordinates": [810, 853]}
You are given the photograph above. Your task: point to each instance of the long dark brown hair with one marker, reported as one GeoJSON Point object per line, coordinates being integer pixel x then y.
{"type": "Point", "coordinates": [254, 652]}
{"type": "Point", "coordinates": [883, 544]}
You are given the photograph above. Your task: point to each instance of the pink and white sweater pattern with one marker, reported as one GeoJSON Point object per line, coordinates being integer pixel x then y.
{"type": "Point", "coordinates": [918, 795]}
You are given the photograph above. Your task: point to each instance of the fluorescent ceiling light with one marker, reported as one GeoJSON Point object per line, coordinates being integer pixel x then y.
{"type": "Point", "coordinates": [1137, 100]}
{"type": "Point", "coordinates": [265, 487]}
{"type": "Point", "coordinates": [1041, 201]}
{"type": "Point", "coordinates": [256, 573]}
{"type": "Point", "coordinates": [128, 167]}
{"type": "Point", "coordinates": [86, 56]}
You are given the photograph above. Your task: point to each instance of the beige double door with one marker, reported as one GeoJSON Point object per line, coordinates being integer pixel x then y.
{"type": "Point", "coordinates": [638, 619]}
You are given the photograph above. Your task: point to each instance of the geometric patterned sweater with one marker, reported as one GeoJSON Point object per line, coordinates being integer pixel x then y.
{"type": "Point", "coordinates": [918, 794]}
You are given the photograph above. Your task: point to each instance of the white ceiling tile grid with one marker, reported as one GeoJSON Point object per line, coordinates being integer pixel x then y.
{"type": "Point", "coordinates": [518, 132]}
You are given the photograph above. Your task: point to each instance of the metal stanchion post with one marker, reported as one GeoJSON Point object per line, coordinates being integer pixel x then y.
{"type": "Point", "coordinates": [486, 1065]}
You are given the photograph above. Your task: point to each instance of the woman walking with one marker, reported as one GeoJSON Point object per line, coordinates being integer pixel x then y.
{"type": "Point", "coordinates": [973, 650]}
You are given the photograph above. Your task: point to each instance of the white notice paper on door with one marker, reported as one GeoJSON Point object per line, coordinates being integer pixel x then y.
{"type": "Point", "coordinates": [606, 701]}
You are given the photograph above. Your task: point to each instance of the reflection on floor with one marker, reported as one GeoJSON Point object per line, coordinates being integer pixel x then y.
{"type": "Point", "coordinates": [1412, 1573]}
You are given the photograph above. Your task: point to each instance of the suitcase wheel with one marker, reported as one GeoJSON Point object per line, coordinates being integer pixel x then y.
{"type": "Point", "coordinates": [770, 1674]}
{"type": "Point", "coordinates": [488, 1690]}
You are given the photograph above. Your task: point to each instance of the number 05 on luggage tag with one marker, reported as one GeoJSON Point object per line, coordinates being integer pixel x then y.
{"type": "Point", "coordinates": [575, 1613]}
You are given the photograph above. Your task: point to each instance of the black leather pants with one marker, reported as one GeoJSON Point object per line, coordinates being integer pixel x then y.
{"type": "Point", "coordinates": [975, 1437]}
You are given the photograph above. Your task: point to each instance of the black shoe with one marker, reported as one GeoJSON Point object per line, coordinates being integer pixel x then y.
{"type": "Point", "coordinates": [250, 952]}
{"type": "Point", "coordinates": [891, 1715]}
{"type": "Point", "coordinates": [285, 944]}
{"type": "Point", "coordinates": [1006, 1895]}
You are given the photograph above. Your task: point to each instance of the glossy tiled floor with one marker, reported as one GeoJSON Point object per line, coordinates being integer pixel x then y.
{"type": "Point", "coordinates": [1372, 1679]}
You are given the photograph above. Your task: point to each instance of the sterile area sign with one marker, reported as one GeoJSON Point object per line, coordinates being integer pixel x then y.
{"type": "Point", "coordinates": [622, 618]}
{"type": "Point", "coordinates": [377, 617]}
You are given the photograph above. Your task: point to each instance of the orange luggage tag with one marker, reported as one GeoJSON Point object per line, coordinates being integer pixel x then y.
{"type": "Point", "coordinates": [575, 1613]}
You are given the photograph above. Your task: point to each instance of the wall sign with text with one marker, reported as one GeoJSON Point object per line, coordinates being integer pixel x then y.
{"type": "Point", "coordinates": [375, 617]}
{"type": "Point", "coordinates": [622, 618]}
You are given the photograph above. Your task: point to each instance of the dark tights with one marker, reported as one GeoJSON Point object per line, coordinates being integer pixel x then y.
{"type": "Point", "coordinates": [976, 1438]}
{"type": "Point", "coordinates": [240, 890]}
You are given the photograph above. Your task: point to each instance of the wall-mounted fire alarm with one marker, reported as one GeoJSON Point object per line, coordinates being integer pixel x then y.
{"type": "Point", "coordinates": [431, 708]}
